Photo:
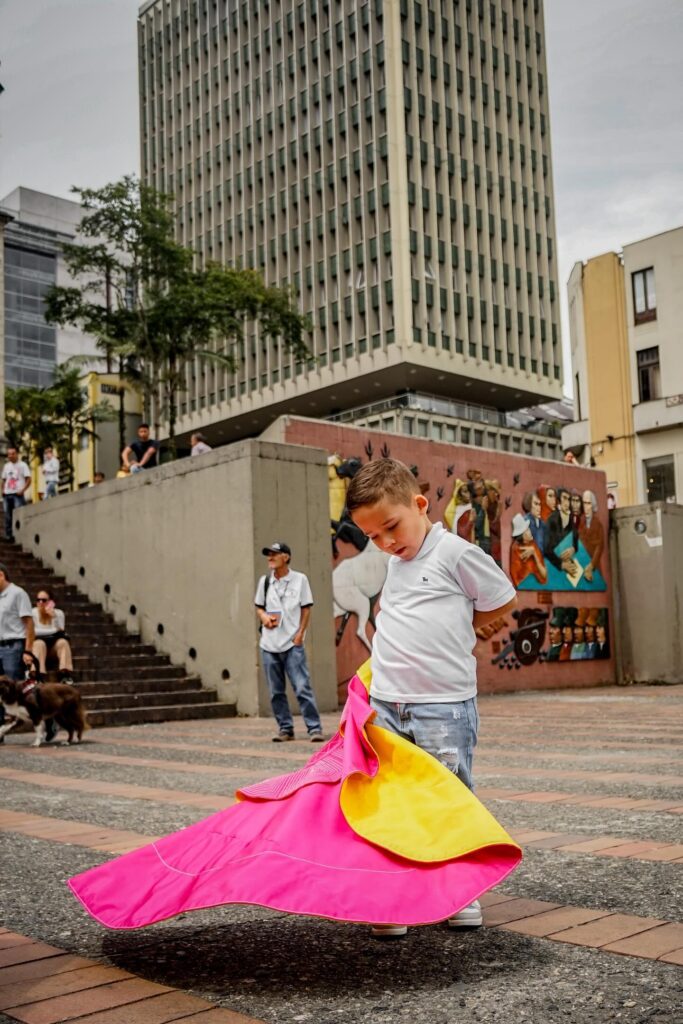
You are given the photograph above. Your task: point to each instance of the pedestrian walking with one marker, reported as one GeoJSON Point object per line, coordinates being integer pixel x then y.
{"type": "Point", "coordinates": [16, 631]}
{"type": "Point", "coordinates": [283, 604]}
{"type": "Point", "coordinates": [140, 454]}
{"type": "Point", "coordinates": [50, 473]}
{"type": "Point", "coordinates": [16, 480]}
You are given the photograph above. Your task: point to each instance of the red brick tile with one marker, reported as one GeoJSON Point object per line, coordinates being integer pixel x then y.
{"type": "Point", "coordinates": [515, 910]}
{"type": "Point", "coordinates": [632, 849]}
{"type": "Point", "coordinates": [652, 944]}
{"type": "Point", "coordinates": [605, 930]}
{"type": "Point", "coordinates": [560, 839]}
{"type": "Point", "coordinates": [536, 797]}
{"type": "Point", "coordinates": [24, 954]}
{"type": "Point", "coordinates": [590, 845]}
{"type": "Point", "coordinates": [554, 920]}
{"type": "Point", "coordinates": [675, 957]}
{"type": "Point", "coordinates": [531, 834]}
{"type": "Point", "coordinates": [170, 1006]}
{"type": "Point", "coordinates": [42, 968]}
{"type": "Point", "coordinates": [491, 899]}
{"type": "Point", "coordinates": [65, 1008]}
{"type": "Point", "coordinates": [672, 852]}
{"type": "Point", "coordinates": [10, 940]}
{"type": "Point", "coordinates": [32, 990]}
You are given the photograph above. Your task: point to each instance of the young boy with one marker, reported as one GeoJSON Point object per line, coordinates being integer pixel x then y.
{"type": "Point", "coordinates": [438, 590]}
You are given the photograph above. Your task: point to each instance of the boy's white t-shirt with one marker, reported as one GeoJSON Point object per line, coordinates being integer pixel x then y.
{"type": "Point", "coordinates": [422, 649]}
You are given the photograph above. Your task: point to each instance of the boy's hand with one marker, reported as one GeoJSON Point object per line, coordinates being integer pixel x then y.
{"type": "Point", "coordinates": [298, 639]}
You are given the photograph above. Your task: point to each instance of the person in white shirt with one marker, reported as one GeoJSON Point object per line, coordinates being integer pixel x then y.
{"type": "Point", "coordinates": [50, 473]}
{"type": "Point", "coordinates": [439, 589]}
{"type": "Point", "coordinates": [16, 480]}
{"type": "Point", "coordinates": [199, 445]}
{"type": "Point", "coordinates": [16, 633]}
{"type": "Point", "coordinates": [50, 631]}
{"type": "Point", "coordinates": [283, 602]}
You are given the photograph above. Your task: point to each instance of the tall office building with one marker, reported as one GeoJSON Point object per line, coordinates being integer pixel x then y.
{"type": "Point", "coordinates": [388, 160]}
{"type": "Point", "coordinates": [37, 225]}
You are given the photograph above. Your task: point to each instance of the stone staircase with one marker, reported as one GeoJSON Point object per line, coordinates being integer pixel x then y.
{"type": "Point", "coordinates": [123, 680]}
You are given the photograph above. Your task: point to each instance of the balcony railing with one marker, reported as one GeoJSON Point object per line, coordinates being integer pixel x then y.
{"type": "Point", "coordinates": [434, 405]}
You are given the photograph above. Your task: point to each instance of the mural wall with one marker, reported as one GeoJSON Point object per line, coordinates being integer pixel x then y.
{"type": "Point", "coordinates": [545, 524]}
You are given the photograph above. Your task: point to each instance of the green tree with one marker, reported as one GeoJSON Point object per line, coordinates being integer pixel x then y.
{"type": "Point", "coordinates": [150, 307]}
{"type": "Point", "coordinates": [58, 415]}
{"type": "Point", "coordinates": [29, 414]}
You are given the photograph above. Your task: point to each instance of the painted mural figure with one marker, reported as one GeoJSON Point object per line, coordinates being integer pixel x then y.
{"type": "Point", "coordinates": [525, 556]}
{"type": "Point", "coordinates": [531, 503]}
{"type": "Point", "coordinates": [591, 534]}
{"type": "Point", "coordinates": [559, 528]}
{"type": "Point", "coordinates": [548, 496]}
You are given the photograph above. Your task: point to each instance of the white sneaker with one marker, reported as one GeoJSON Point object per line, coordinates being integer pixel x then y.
{"type": "Point", "coordinates": [468, 917]}
{"type": "Point", "coordinates": [389, 931]}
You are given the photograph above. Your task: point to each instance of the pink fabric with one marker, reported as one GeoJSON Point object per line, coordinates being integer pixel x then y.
{"type": "Point", "coordinates": [287, 846]}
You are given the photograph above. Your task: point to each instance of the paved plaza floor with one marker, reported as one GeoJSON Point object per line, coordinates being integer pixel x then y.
{"type": "Point", "coordinates": [590, 782]}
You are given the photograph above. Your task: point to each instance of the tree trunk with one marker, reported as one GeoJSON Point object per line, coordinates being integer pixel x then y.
{"type": "Point", "coordinates": [172, 391]}
{"type": "Point", "coordinates": [122, 409]}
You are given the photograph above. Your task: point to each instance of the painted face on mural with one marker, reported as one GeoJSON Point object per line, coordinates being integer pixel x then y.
{"type": "Point", "coordinates": [567, 634]}
{"type": "Point", "coordinates": [575, 501]}
{"type": "Point", "coordinates": [555, 635]}
{"type": "Point", "coordinates": [587, 504]}
{"type": "Point", "coordinates": [551, 498]}
{"type": "Point", "coordinates": [535, 506]}
{"type": "Point", "coordinates": [564, 501]}
{"type": "Point", "coordinates": [578, 634]}
{"type": "Point", "coordinates": [601, 634]}
{"type": "Point", "coordinates": [395, 528]}
{"type": "Point", "coordinates": [590, 634]}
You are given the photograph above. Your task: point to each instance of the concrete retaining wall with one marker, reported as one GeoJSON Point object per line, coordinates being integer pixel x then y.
{"type": "Point", "coordinates": [175, 554]}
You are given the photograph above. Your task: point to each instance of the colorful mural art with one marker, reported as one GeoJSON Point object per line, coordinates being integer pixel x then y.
{"type": "Point", "coordinates": [549, 537]}
{"type": "Point", "coordinates": [557, 541]}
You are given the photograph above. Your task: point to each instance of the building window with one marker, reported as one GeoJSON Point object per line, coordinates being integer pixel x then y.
{"type": "Point", "coordinates": [644, 297]}
{"type": "Point", "coordinates": [660, 481]}
{"type": "Point", "coordinates": [648, 374]}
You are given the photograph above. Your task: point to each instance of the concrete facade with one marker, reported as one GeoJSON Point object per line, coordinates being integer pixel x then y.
{"type": "Point", "coordinates": [175, 554]}
{"type": "Point", "coordinates": [390, 163]}
{"type": "Point", "coordinates": [647, 553]}
{"type": "Point", "coordinates": [628, 368]}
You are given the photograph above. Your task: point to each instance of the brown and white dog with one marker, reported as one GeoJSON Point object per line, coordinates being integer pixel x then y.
{"type": "Point", "coordinates": [36, 703]}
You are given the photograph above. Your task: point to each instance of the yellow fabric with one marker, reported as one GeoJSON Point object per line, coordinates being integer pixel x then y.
{"type": "Point", "coordinates": [414, 806]}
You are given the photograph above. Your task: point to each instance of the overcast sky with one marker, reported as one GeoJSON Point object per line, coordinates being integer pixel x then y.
{"type": "Point", "coordinates": [69, 114]}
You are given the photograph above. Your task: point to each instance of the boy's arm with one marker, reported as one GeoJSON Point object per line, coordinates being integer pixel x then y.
{"type": "Point", "coordinates": [480, 619]}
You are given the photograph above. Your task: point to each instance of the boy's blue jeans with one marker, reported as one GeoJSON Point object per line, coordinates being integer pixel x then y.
{"type": "Point", "coordinates": [293, 663]}
{"type": "Point", "coordinates": [446, 731]}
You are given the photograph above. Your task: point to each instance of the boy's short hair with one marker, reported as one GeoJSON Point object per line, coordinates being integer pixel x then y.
{"type": "Point", "coordinates": [385, 478]}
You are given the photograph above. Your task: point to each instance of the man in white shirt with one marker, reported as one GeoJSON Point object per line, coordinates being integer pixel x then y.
{"type": "Point", "coordinates": [283, 602]}
{"type": "Point", "coordinates": [16, 480]}
{"type": "Point", "coordinates": [199, 445]}
{"type": "Point", "coordinates": [16, 631]}
{"type": "Point", "coordinates": [50, 473]}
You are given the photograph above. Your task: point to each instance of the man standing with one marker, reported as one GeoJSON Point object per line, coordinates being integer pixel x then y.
{"type": "Point", "coordinates": [50, 473]}
{"type": "Point", "coordinates": [16, 480]}
{"type": "Point", "coordinates": [283, 604]}
{"type": "Point", "coordinates": [199, 445]}
{"type": "Point", "coordinates": [143, 451]}
{"type": "Point", "coordinates": [16, 631]}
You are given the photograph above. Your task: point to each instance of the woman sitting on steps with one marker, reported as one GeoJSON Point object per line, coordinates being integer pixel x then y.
{"type": "Point", "coordinates": [51, 638]}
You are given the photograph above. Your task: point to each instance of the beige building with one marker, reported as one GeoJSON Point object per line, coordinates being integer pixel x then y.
{"type": "Point", "coordinates": [625, 317]}
{"type": "Point", "coordinates": [388, 160]}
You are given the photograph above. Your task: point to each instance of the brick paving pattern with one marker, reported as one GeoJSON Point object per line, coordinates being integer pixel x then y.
{"type": "Point", "coordinates": [592, 788]}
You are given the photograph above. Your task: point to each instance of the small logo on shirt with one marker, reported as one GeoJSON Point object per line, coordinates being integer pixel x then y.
{"type": "Point", "coordinates": [425, 580]}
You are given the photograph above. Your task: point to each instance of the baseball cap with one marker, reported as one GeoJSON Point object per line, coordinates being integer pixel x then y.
{"type": "Point", "coordinates": [278, 547]}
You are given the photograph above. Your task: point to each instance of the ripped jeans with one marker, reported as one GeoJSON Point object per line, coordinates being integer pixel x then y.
{"type": "Point", "coordinates": [447, 731]}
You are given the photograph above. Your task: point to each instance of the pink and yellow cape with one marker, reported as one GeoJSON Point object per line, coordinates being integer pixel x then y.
{"type": "Point", "coordinates": [372, 829]}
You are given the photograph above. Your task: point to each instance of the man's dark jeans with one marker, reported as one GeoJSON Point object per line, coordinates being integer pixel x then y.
{"type": "Point", "coordinates": [11, 501]}
{"type": "Point", "coordinates": [12, 665]}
